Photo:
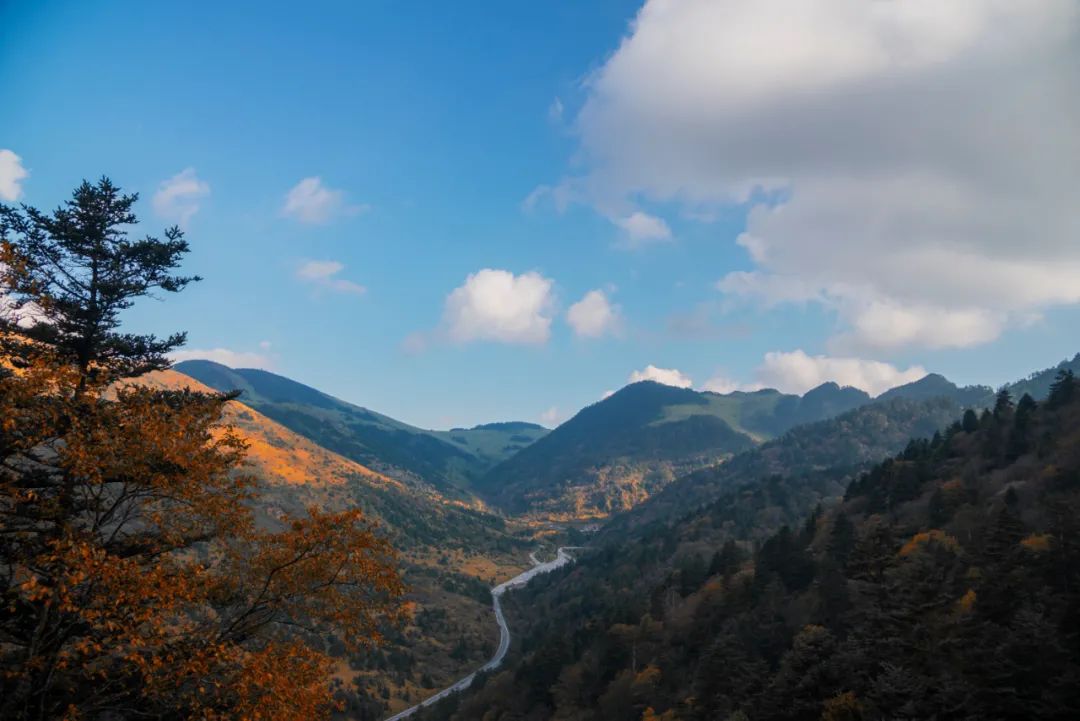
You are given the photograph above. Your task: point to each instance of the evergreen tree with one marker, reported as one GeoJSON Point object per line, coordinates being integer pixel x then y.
{"type": "Point", "coordinates": [133, 580]}
{"type": "Point", "coordinates": [1063, 389]}
{"type": "Point", "coordinates": [970, 423]}
{"type": "Point", "coordinates": [841, 539]}
{"type": "Point", "coordinates": [70, 274]}
{"type": "Point", "coordinates": [1003, 404]}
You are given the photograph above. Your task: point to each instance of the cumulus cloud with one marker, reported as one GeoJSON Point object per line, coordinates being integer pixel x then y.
{"type": "Point", "coordinates": [594, 316]}
{"type": "Point", "coordinates": [177, 198]}
{"type": "Point", "coordinates": [12, 173]}
{"type": "Point", "coordinates": [224, 356]}
{"type": "Point", "coordinates": [312, 201]}
{"type": "Point", "coordinates": [323, 274]}
{"type": "Point", "coordinates": [910, 165]}
{"type": "Point", "coordinates": [667, 376]}
{"type": "Point", "coordinates": [797, 372]}
{"type": "Point", "coordinates": [496, 305]}
{"type": "Point", "coordinates": [641, 229]}
{"type": "Point", "coordinates": [723, 384]}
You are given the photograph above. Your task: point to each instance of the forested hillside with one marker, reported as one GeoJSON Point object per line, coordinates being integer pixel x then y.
{"type": "Point", "coordinates": [620, 451]}
{"type": "Point", "coordinates": [614, 453]}
{"type": "Point", "coordinates": [945, 584]}
{"type": "Point", "coordinates": [448, 460]}
{"type": "Point", "coordinates": [449, 554]}
{"type": "Point", "coordinates": [816, 456]}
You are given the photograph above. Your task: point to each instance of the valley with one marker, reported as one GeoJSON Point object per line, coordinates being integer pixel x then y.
{"type": "Point", "coordinates": [676, 483]}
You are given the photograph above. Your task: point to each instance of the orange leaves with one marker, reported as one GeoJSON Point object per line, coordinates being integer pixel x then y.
{"type": "Point", "coordinates": [927, 539]}
{"type": "Point", "coordinates": [329, 570]}
{"type": "Point", "coordinates": [139, 579]}
{"type": "Point", "coordinates": [1038, 543]}
{"type": "Point", "coordinates": [966, 603]}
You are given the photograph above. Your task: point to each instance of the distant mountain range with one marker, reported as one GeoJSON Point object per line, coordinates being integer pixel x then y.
{"type": "Point", "coordinates": [608, 458]}
{"type": "Point", "coordinates": [680, 463]}
{"type": "Point", "coordinates": [448, 460]}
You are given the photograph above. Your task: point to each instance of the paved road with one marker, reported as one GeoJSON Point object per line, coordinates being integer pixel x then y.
{"type": "Point", "coordinates": [561, 559]}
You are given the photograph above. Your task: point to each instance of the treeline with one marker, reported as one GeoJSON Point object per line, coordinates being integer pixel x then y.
{"type": "Point", "coordinates": [944, 584]}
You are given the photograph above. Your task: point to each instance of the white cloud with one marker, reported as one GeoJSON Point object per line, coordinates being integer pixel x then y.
{"type": "Point", "coordinates": [911, 165]}
{"type": "Point", "coordinates": [667, 376]}
{"type": "Point", "coordinates": [723, 384]}
{"type": "Point", "coordinates": [496, 305]}
{"type": "Point", "coordinates": [322, 274]}
{"type": "Point", "coordinates": [607, 394]}
{"type": "Point", "coordinates": [311, 201]}
{"type": "Point", "coordinates": [12, 173]}
{"type": "Point", "coordinates": [177, 198]}
{"type": "Point", "coordinates": [551, 417]}
{"type": "Point", "coordinates": [231, 358]}
{"type": "Point", "coordinates": [594, 315]}
{"type": "Point", "coordinates": [641, 229]}
{"type": "Point", "coordinates": [797, 372]}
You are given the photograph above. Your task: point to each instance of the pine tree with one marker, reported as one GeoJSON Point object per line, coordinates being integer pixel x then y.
{"type": "Point", "coordinates": [1063, 389]}
{"type": "Point", "coordinates": [841, 539]}
{"type": "Point", "coordinates": [1003, 404]}
{"type": "Point", "coordinates": [134, 583]}
{"type": "Point", "coordinates": [970, 423]}
{"type": "Point", "coordinates": [70, 274]}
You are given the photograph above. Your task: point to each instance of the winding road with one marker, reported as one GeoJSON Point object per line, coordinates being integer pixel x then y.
{"type": "Point", "coordinates": [561, 559]}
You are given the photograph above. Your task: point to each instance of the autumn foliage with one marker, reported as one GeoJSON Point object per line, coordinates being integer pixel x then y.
{"type": "Point", "coordinates": [134, 582]}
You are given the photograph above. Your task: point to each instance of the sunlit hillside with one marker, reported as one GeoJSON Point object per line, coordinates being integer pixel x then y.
{"type": "Point", "coordinates": [276, 454]}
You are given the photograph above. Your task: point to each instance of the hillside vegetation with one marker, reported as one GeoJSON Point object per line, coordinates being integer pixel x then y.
{"type": "Point", "coordinates": [618, 452]}
{"type": "Point", "coordinates": [448, 460]}
{"type": "Point", "coordinates": [945, 583]}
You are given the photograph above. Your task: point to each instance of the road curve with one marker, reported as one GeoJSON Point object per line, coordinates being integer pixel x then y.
{"type": "Point", "coordinates": [561, 559]}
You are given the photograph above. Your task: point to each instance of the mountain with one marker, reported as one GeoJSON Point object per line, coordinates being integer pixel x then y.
{"type": "Point", "coordinates": [938, 386]}
{"type": "Point", "coordinates": [449, 554]}
{"type": "Point", "coordinates": [1038, 384]}
{"type": "Point", "coordinates": [448, 460]}
{"type": "Point", "coordinates": [941, 582]}
{"type": "Point", "coordinates": [619, 451]}
{"type": "Point", "coordinates": [614, 453]}
{"type": "Point", "coordinates": [821, 456]}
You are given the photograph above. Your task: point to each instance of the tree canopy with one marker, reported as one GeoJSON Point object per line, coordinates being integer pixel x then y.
{"type": "Point", "coordinates": [134, 581]}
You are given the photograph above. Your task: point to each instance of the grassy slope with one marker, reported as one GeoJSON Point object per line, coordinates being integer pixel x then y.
{"type": "Point", "coordinates": [448, 460]}
{"type": "Point", "coordinates": [450, 554]}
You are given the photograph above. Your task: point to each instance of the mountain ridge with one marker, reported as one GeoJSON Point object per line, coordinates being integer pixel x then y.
{"type": "Point", "coordinates": [447, 460]}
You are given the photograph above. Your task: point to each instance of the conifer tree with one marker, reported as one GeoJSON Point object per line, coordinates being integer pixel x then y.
{"type": "Point", "coordinates": [133, 581]}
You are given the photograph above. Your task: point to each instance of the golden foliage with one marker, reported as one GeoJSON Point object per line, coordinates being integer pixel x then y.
{"type": "Point", "coordinates": [136, 578]}
{"type": "Point", "coordinates": [1038, 542]}
{"type": "Point", "coordinates": [928, 538]}
{"type": "Point", "coordinates": [966, 603]}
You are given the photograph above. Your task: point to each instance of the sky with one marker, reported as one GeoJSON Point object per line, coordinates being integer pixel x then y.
{"type": "Point", "coordinates": [456, 213]}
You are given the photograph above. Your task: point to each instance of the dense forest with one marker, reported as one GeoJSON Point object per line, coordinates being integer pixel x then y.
{"type": "Point", "coordinates": [945, 583]}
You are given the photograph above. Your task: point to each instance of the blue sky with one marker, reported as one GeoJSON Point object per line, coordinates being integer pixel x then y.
{"type": "Point", "coordinates": [547, 142]}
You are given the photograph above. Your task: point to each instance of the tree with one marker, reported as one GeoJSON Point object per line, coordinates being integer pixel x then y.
{"type": "Point", "coordinates": [841, 539]}
{"type": "Point", "coordinates": [1063, 389]}
{"type": "Point", "coordinates": [70, 274]}
{"type": "Point", "coordinates": [1003, 404]}
{"type": "Point", "coordinates": [970, 424]}
{"type": "Point", "coordinates": [133, 581]}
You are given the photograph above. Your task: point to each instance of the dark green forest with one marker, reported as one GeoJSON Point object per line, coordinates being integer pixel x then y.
{"type": "Point", "coordinates": [943, 584]}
